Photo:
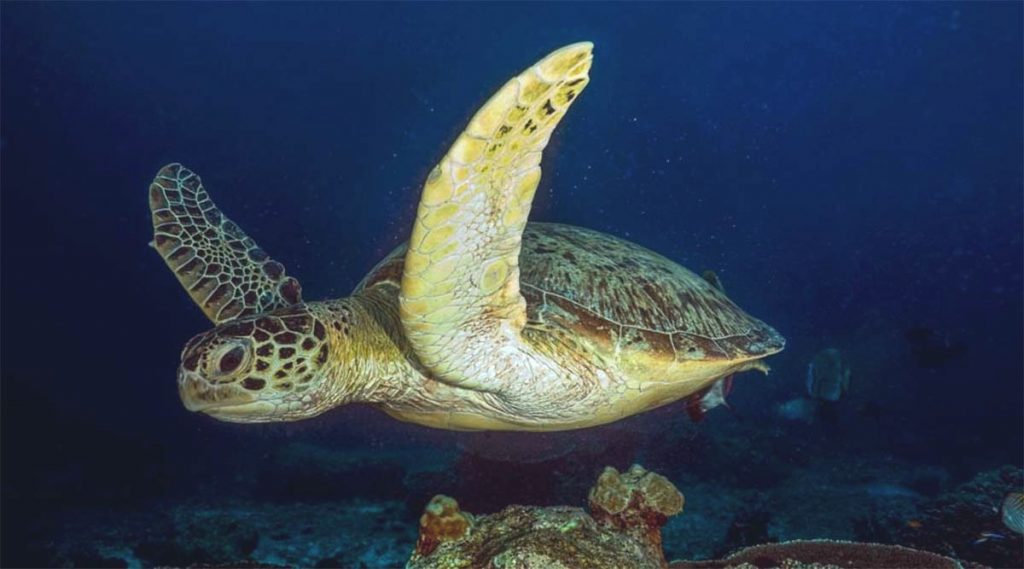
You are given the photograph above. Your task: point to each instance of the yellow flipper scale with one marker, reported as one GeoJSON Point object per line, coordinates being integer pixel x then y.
{"type": "Point", "coordinates": [221, 268]}
{"type": "Point", "coordinates": [460, 302]}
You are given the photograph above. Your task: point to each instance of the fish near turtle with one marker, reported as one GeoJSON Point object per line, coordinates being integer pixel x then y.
{"type": "Point", "coordinates": [480, 322]}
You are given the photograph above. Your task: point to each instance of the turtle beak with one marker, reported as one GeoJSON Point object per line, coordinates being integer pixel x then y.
{"type": "Point", "coordinates": [254, 412]}
{"type": "Point", "coordinates": [199, 395]}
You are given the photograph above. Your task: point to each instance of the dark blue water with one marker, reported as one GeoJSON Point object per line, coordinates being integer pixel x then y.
{"type": "Point", "coordinates": [851, 171]}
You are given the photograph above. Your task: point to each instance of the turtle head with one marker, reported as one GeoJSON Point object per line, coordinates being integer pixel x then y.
{"type": "Point", "coordinates": [270, 367]}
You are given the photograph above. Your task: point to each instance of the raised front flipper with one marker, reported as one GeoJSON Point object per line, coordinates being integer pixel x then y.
{"type": "Point", "coordinates": [221, 268]}
{"type": "Point", "coordinates": [460, 301]}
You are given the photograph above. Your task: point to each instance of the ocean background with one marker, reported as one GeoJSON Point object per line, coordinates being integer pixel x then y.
{"type": "Point", "coordinates": [851, 171]}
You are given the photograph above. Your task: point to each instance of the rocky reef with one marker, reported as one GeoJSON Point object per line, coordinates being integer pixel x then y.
{"type": "Point", "coordinates": [623, 529]}
{"type": "Point", "coordinates": [305, 504]}
{"type": "Point", "coordinates": [965, 522]}
{"type": "Point", "coordinates": [826, 554]}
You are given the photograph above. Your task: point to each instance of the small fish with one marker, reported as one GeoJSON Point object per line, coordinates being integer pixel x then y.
{"type": "Point", "coordinates": [1013, 512]}
{"type": "Point", "coordinates": [887, 490]}
{"type": "Point", "coordinates": [986, 536]}
{"type": "Point", "coordinates": [932, 350]}
{"type": "Point", "coordinates": [800, 409]}
{"type": "Point", "coordinates": [915, 524]}
{"type": "Point", "coordinates": [828, 375]}
{"type": "Point", "coordinates": [698, 405]}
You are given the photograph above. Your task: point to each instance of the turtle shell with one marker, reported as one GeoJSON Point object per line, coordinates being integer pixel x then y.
{"type": "Point", "coordinates": [623, 296]}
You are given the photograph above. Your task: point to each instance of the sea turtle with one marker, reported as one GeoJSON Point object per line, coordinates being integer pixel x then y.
{"type": "Point", "coordinates": [480, 322]}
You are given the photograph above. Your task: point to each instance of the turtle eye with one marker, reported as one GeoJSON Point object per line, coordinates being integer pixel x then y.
{"type": "Point", "coordinates": [230, 361]}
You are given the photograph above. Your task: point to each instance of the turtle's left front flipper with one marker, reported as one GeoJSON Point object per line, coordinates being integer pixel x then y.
{"type": "Point", "coordinates": [460, 301]}
{"type": "Point", "coordinates": [221, 268]}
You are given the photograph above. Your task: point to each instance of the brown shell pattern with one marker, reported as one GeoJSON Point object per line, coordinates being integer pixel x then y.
{"type": "Point", "coordinates": [620, 293]}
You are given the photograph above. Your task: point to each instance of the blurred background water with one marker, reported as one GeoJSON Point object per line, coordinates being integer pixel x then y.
{"type": "Point", "coordinates": [851, 171]}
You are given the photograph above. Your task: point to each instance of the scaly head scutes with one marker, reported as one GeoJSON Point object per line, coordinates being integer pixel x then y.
{"type": "Point", "coordinates": [270, 367]}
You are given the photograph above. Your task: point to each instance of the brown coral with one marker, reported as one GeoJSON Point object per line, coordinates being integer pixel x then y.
{"type": "Point", "coordinates": [636, 500]}
{"type": "Point", "coordinates": [631, 506]}
{"type": "Point", "coordinates": [442, 521]}
{"type": "Point", "coordinates": [527, 537]}
{"type": "Point", "coordinates": [826, 554]}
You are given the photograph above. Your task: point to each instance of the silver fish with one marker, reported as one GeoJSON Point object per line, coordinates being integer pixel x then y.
{"type": "Point", "coordinates": [828, 375]}
{"type": "Point", "coordinates": [1013, 512]}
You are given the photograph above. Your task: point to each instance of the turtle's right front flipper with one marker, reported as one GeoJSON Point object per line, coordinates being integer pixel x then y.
{"type": "Point", "coordinates": [460, 304]}
{"type": "Point", "coordinates": [221, 268]}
